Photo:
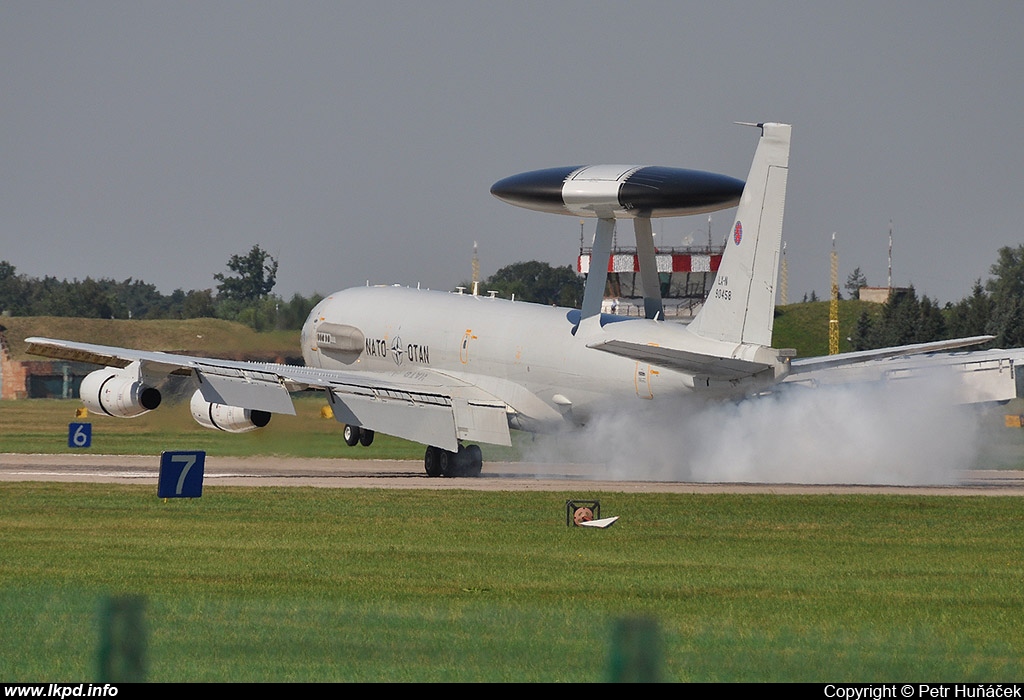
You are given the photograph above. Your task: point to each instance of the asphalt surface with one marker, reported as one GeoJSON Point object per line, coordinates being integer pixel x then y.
{"type": "Point", "coordinates": [497, 476]}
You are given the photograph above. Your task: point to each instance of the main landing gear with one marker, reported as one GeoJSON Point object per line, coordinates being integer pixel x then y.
{"type": "Point", "coordinates": [354, 435]}
{"type": "Point", "coordinates": [468, 461]}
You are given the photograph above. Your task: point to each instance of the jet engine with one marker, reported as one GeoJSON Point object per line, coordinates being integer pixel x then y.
{"type": "Point", "coordinates": [118, 392]}
{"type": "Point", "coordinates": [230, 419]}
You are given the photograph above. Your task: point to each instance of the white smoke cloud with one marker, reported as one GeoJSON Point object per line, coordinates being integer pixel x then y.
{"type": "Point", "coordinates": [898, 433]}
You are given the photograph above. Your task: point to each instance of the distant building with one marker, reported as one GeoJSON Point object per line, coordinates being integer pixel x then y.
{"type": "Point", "coordinates": [881, 295]}
{"type": "Point", "coordinates": [21, 378]}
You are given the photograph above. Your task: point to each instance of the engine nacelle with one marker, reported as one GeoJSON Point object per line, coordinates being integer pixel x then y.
{"type": "Point", "coordinates": [118, 392]}
{"type": "Point", "coordinates": [230, 419]}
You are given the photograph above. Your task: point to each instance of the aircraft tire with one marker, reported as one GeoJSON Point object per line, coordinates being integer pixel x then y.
{"type": "Point", "coordinates": [351, 434]}
{"type": "Point", "coordinates": [432, 461]}
{"type": "Point", "coordinates": [445, 462]}
{"type": "Point", "coordinates": [474, 460]}
{"type": "Point", "coordinates": [365, 437]}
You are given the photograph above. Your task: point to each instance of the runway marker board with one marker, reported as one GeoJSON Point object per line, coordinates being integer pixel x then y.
{"type": "Point", "coordinates": [181, 474]}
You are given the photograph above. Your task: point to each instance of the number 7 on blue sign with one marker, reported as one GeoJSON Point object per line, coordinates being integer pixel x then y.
{"type": "Point", "coordinates": [181, 474]}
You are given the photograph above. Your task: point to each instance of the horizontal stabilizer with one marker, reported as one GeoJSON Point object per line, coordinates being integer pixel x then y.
{"type": "Point", "coordinates": [810, 364]}
{"type": "Point", "coordinates": [725, 368]}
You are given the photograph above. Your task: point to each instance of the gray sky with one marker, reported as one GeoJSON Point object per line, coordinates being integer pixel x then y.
{"type": "Point", "coordinates": [357, 141]}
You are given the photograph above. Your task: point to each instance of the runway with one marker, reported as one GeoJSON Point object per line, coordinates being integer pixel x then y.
{"type": "Point", "coordinates": [392, 474]}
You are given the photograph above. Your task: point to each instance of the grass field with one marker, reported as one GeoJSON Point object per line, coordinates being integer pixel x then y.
{"type": "Point", "coordinates": [268, 584]}
{"type": "Point", "coordinates": [297, 584]}
{"type": "Point", "coordinates": [804, 327]}
{"type": "Point", "coordinates": [202, 336]}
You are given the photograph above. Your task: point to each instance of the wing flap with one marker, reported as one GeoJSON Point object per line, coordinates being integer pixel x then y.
{"type": "Point", "coordinates": [428, 422]}
{"type": "Point", "coordinates": [250, 389]}
{"type": "Point", "coordinates": [482, 421]}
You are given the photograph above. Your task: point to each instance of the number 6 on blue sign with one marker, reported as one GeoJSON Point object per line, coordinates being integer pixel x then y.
{"type": "Point", "coordinates": [79, 434]}
{"type": "Point", "coordinates": [181, 474]}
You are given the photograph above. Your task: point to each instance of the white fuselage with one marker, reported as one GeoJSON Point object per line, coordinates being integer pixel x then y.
{"type": "Point", "coordinates": [525, 354]}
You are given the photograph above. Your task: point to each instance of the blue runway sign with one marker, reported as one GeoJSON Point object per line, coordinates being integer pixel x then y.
{"type": "Point", "coordinates": [181, 474]}
{"type": "Point", "coordinates": [79, 434]}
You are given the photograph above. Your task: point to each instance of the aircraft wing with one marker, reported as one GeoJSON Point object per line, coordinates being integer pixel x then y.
{"type": "Point", "coordinates": [420, 405]}
{"type": "Point", "coordinates": [811, 364]}
{"type": "Point", "coordinates": [978, 376]}
{"type": "Point", "coordinates": [723, 368]}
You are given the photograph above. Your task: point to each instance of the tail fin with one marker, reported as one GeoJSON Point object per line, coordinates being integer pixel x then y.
{"type": "Point", "coordinates": [741, 305]}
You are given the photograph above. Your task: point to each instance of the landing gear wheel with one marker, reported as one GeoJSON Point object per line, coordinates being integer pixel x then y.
{"type": "Point", "coordinates": [365, 437]}
{"type": "Point", "coordinates": [432, 461]}
{"type": "Point", "coordinates": [474, 460]}
{"type": "Point", "coordinates": [468, 461]}
{"type": "Point", "coordinates": [351, 433]}
{"type": "Point", "coordinates": [445, 462]}
{"type": "Point", "coordinates": [458, 463]}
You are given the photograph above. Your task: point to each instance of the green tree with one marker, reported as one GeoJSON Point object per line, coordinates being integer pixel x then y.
{"type": "Point", "coordinates": [904, 319]}
{"type": "Point", "coordinates": [292, 314]}
{"type": "Point", "coordinates": [863, 333]}
{"type": "Point", "coordinates": [198, 304]}
{"type": "Point", "coordinates": [1006, 288]}
{"type": "Point", "coordinates": [537, 282]}
{"type": "Point", "coordinates": [13, 291]}
{"type": "Point", "coordinates": [931, 322]}
{"type": "Point", "coordinates": [254, 278]}
{"type": "Point", "coordinates": [971, 315]}
{"type": "Point", "coordinates": [854, 282]}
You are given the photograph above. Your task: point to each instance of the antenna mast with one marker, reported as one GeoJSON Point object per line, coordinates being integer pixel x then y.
{"type": "Point", "coordinates": [833, 305]}
{"type": "Point", "coordinates": [890, 256]}
{"type": "Point", "coordinates": [476, 271]}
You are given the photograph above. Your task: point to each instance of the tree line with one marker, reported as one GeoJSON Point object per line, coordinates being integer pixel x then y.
{"type": "Point", "coordinates": [993, 308]}
{"type": "Point", "coordinates": [243, 294]}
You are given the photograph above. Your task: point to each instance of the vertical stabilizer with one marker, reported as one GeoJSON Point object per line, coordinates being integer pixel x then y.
{"type": "Point", "coordinates": [741, 305]}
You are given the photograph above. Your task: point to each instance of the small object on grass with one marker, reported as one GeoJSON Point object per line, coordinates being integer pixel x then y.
{"type": "Point", "coordinates": [586, 514]}
{"type": "Point", "coordinates": [602, 523]}
{"type": "Point", "coordinates": [582, 515]}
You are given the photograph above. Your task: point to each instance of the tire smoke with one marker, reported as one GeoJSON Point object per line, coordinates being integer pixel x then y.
{"type": "Point", "coordinates": [896, 433]}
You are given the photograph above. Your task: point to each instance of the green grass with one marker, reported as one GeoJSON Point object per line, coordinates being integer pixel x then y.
{"type": "Point", "coordinates": [203, 336]}
{"type": "Point", "coordinates": [366, 585]}
{"type": "Point", "coordinates": [804, 327]}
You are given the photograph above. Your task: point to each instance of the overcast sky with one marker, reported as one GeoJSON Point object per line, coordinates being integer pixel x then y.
{"type": "Point", "coordinates": [358, 141]}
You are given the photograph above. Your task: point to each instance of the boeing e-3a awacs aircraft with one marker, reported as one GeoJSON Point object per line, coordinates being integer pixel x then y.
{"type": "Point", "coordinates": [451, 370]}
